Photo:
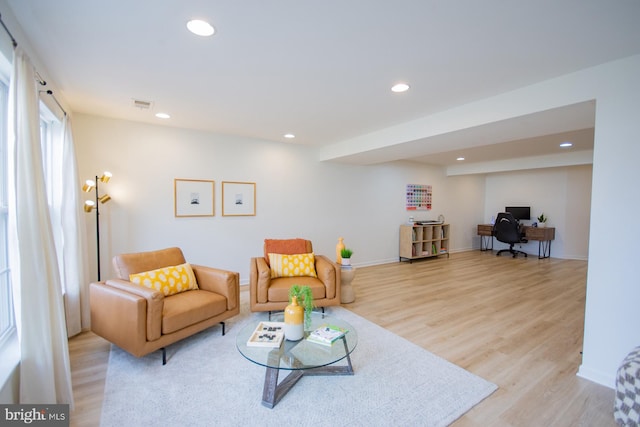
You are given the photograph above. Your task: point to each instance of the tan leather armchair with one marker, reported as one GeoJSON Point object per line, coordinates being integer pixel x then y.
{"type": "Point", "coordinates": [141, 320]}
{"type": "Point", "coordinates": [267, 294]}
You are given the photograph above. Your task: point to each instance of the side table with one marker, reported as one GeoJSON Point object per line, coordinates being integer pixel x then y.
{"type": "Point", "coordinates": [347, 295]}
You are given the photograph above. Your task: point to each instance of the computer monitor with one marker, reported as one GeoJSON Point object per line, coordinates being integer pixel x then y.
{"type": "Point", "coordinates": [519, 212]}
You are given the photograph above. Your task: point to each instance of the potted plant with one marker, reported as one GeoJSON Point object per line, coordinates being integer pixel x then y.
{"type": "Point", "coordinates": [345, 254]}
{"type": "Point", "coordinates": [542, 220]}
{"type": "Point", "coordinates": [305, 299]}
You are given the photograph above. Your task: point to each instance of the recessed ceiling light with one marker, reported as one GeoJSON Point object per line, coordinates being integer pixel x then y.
{"type": "Point", "coordinates": [163, 116]}
{"type": "Point", "coordinates": [289, 135]}
{"type": "Point", "coordinates": [460, 159]}
{"type": "Point", "coordinates": [566, 144]}
{"type": "Point", "coordinates": [400, 87]}
{"type": "Point", "coordinates": [200, 28]}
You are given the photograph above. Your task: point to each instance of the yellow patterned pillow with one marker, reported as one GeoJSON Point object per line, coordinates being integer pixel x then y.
{"type": "Point", "coordinates": [168, 280]}
{"type": "Point", "coordinates": [292, 265]}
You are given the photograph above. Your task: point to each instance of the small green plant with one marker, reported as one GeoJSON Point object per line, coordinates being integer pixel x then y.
{"type": "Point", "coordinates": [346, 253]}
{"type": "Point", "coordinates": [542, 218]}
{"type": "Point", "coordinates": [305, 299]}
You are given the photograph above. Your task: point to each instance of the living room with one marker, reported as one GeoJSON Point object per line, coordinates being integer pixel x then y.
{"type": "Point", "coordinates": [312, 192]}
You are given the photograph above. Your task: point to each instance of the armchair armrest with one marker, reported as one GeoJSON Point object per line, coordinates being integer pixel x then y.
{"type": "Point", "coordinates": [329, 275]}
{"type": "Point", "coordinates": [223, 282]}
{"type": "Point", "coordinates": [119, 307]}
{"type": "Point", "coordinates": [260, 279]}
{"type": "Point", "coordinates": [144, 292]}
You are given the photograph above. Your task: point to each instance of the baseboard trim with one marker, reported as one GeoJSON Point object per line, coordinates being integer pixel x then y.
{"type": "Point", "coordinates": [596, 376]}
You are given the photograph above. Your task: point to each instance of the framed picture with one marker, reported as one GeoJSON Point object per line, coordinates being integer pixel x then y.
{"type": "Point", "coordinates": [238, 198]}
{"type": "Point", "coordinates": [193, 197]}
{"type": "Point", "coordinates": [419, 197]}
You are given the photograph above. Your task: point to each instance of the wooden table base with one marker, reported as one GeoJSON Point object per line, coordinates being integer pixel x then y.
{"type": "Point", "coordinates": [272, 392]}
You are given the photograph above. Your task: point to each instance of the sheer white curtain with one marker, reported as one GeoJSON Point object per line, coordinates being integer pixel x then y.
{"type": "Point", "coordinates": [72, 247]}
{"type": "Point", "coordinates": [45, 375]}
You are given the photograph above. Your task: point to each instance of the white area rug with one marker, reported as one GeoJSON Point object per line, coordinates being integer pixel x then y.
{"type": "Point", "coordinates": [207, 382]}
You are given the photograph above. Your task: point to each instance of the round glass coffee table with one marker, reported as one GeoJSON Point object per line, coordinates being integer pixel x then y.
{"type": "Point", "coordinates": [301, 358]}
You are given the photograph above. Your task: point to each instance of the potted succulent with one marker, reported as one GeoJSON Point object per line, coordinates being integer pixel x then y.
{"type": "Point", "coordinates": [345, 254]}
{"type": "Point", "coordinates": [305, 299]}
{"type": "Point", "coordinates": [542, 220]}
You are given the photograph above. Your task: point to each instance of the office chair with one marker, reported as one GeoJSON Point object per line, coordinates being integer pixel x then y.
{"type": "Point", "coordinates": [507, 230]}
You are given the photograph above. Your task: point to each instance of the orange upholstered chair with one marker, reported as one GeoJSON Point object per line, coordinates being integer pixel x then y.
{"type": "Point", "coordinates": [140, 320]}
{"type": "Point", "coordinates": [269, 291]}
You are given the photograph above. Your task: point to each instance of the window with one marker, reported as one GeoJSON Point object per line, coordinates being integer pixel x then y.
{"type": "Point", "coordinates": [7, 323]}
{"type": "Point", "coordinates": [52, 147]}
{"type": "Point", "coordinates": [50, 130]}
{"type": "Point", "coordinates": [51, 143]}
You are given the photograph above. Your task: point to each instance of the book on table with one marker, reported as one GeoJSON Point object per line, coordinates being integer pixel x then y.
{"type": "Point", "coordinates": [267, 334]}
{"type": "Point", "coordinates": [326, 334]}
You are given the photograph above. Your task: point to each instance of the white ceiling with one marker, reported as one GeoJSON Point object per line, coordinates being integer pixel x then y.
{"type": "Point", "coordinates": [323, 69]}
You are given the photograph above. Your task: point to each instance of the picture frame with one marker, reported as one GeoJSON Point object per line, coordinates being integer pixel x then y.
{"type": "Point", "coordinates": [419, 197]}
{"type": "Point", "coordinates": [238, 198]}
{"type": "Point", "coordinates": [193, 197]}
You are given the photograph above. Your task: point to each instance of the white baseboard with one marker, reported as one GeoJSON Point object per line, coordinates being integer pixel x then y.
{"type": "Point", "coordinates": [598, 377]}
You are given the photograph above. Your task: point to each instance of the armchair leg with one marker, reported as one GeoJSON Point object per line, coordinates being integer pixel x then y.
{"type": "Point", "coordinates": [222, 323]}
{"type": "Point", "coordinates": [164, 356]}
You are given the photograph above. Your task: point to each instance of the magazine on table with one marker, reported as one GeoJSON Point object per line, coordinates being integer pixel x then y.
{"type": "Point", "coordinates": [326, 334]}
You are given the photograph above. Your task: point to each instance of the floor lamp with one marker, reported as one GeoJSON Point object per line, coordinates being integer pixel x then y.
{"type": "Point", "coordinates": [90, 205]}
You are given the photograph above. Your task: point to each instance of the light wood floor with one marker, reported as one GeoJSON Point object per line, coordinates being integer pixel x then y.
{"type": "Point", "coordinates": [515, 322]}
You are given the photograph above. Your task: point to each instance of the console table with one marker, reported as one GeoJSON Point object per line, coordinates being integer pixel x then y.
{"type": "Point", "coordinates": [543, 235]}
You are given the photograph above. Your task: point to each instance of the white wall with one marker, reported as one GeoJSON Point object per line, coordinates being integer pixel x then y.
{"type": "Point", "coordinates": [613, 292]}
{"type": "Point", "coordinates": [563, 194]}
{"type": "Point", "coordinates": [297, 196]}
{"type": "Point", "coordinates": [467, 195]}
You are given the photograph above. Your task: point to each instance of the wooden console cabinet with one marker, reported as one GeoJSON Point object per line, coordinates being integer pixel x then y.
{"type": "Point", "coordinates": [423, 241]}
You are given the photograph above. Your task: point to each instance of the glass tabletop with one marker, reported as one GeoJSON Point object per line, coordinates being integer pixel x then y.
{"type": "Point", "coordinates": [302, 354]}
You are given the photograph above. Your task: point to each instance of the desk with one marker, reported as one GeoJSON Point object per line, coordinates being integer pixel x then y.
{"type": "Point", "coordinates": [543, 235]}
{"type": "Point", "coordinates": [485, 231]}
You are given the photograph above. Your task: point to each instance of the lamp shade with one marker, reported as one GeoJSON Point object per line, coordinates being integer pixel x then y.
{"type": "Point", "coordinates": [88, 185]}
{"type": "Point", "coordinates": [104, 198]}
{"type": "Point", "coordinates": [106, 176]}
{"type": "Point", "coordinates": [89, 205]}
